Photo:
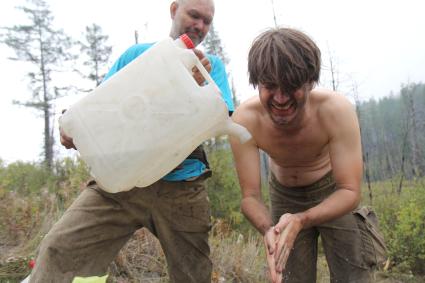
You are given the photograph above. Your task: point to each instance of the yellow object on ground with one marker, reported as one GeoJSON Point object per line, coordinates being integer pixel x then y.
{"type": "Point", "coordinates": [92, 279]}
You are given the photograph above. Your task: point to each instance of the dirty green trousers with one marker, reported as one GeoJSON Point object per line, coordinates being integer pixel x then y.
{"type": "Point", "coordinates": [350, 244]}
{"type": "Point", "coordinates": [98, 224]}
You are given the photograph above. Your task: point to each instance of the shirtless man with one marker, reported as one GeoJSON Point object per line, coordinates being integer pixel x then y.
{"type": "Point", "coordinates": [312, 138]}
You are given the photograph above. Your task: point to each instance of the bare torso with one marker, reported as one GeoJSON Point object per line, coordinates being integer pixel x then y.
{"type": "Point", "coordinates": [297, 158]}
{"type": "Point", "coordinates": [306, 138]}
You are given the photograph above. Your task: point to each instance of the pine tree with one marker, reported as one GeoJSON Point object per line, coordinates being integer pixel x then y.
{"type": "Point", "coordinates": [97, 51]}
{"type": "Point", "coordinates": [212, 44]}
{"type": "Point", "coordinates": [392, 134]}
{"type": "Point", "coordinates": [45, 48]}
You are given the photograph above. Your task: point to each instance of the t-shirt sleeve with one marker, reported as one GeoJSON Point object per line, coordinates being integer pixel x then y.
{"type": "Point", "coordinates": [219, 75]}
{"type": "Point", "coordinates": [129, 55]}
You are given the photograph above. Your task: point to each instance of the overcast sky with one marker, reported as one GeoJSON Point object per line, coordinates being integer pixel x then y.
{"type": "Point", "coordinates": [376, 44]}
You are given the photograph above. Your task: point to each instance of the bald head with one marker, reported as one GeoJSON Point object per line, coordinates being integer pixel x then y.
{"type": "Point", "coordinates": [192, 17]}
{"type": "Point", "coordinates": [183, 2]}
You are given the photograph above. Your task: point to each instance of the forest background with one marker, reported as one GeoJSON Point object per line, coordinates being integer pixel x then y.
{"type": "Point", "coordinates": [33, 195]}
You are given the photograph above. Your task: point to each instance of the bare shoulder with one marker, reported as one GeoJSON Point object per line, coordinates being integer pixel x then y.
{"type": "Point", "coordinates": [332, 106]}
{"type": "Point", "coordinates": [248, 112]}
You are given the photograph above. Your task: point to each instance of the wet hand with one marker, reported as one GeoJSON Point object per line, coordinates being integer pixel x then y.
{"type": "Point", "coordinates": [270, 238]}
{"type": "Point", "coordinates": [205, 62]}
{"type": "Point", "coordinates": [287, 228]}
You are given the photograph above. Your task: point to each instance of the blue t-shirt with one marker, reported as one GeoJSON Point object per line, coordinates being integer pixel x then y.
{"type": "Point", "coordinates": [190, 167]}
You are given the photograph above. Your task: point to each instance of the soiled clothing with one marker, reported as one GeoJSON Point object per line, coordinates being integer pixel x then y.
{"type": "Point", "coordinates": [98, 224]}
{"type": "Point", "coordinates": [175, 209]}
{"type": "Point", "coordinates": [347, 243]}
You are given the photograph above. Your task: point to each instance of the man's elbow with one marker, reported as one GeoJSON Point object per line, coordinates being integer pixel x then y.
{"type": "Point", "coordinates": [355, 199]}
{"type": "Point", "coordinates": [356, 204]}
{"type": "Point", "coordinates": [244, 206]}
{"type": "Point", "coordinates": [352, 196]}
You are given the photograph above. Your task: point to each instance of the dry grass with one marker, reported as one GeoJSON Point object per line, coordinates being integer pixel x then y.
{"type": "Point", "coordinates": [236, 257]}
{"type": "Point", "coordinates": [140, 260]}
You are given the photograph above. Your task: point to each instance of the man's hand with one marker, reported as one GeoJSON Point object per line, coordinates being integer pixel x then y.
{"type": "Point", "coordinates": [288, 227]}
{"type": "Point", "coordinates": [66, 141]}
{"type": "Point", "coordinates": [205, 62]}
{"type": "Point", "coordinates": [270, 238]}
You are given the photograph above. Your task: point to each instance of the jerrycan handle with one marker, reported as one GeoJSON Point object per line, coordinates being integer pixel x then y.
{"type": "Point", "coordinates": [204, 73]}
{"type": "Point", "coordinates": [184, 41]}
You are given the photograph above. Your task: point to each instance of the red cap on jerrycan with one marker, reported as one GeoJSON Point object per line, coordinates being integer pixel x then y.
{"type": "Point", "coordinates": [184, 41]}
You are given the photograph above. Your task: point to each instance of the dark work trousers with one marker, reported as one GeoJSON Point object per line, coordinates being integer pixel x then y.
{"type": "Point", "coordinates": [98, 224]}
{"type": "Point", "coordinates": [345, 240]}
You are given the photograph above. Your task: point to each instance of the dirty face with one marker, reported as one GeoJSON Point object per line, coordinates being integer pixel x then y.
{"type": "Point", "coordinates": [284, 109]}
{"type": "Point", "coordinates": [193, 17]}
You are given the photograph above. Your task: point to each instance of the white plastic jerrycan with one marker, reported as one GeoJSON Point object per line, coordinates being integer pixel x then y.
{"type": "Point", "coordinates": [147, 118]}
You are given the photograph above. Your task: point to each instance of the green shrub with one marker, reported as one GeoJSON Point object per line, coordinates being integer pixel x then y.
{"type": "Point", "coordinates": [223, 187]}
{"type": "Point", "coordinates": [402, 221]}
{"type": "Point", "coordinates": [408, 242]}
{"type": "Point", "coordinates": [32, 198]}
{"type": "Point", "coordinates": [74, 173]}
{"type": "Point", "coordinates": [224, 190]}
{"type": "Point", "coordinates": [24, 178]}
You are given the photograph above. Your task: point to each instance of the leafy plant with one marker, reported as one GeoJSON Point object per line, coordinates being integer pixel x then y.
{"type": "Point", "coordinates": [408, 242]}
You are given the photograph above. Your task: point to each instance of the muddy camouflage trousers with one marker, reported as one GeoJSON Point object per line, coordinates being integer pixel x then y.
{"type": "Point", "coordinates": [352, 243]}
{"type": "Point", "coordinates": [98, 224]}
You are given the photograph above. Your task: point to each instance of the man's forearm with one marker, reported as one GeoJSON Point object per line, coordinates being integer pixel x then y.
{"type": "Point", "coordinates": [336, 205]}
{"type": "Point", "coordinates": [257, 213]}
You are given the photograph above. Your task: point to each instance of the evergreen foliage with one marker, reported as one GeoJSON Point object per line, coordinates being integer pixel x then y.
{"type": "Point", "coordinates": [44, 47]}
{"type": "Point", "coordinates": [213, 45]}
{"type": "Point", "coordinates": [223, 187]}
{"type": "Point", "coordinates": [393, 134]}
{"type": "Point", "coordinates": [97, 51]}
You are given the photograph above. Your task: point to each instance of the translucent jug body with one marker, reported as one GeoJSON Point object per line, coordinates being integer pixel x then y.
{"type": "Point", "coordinates": [147, 118]}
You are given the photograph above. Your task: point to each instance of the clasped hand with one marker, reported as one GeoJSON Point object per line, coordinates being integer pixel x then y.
{"type": "Point", "coordinates": [279, 241]}
{"type": "Point", "coordinates": [199, 78]}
